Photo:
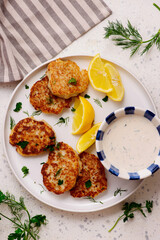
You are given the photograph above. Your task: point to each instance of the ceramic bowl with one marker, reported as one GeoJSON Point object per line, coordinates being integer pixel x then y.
{"type": "Point", "coordinates": [136, 140]}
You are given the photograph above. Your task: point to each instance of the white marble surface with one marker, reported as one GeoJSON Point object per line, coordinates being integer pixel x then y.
{"type": "Point", "coordinates": [66, 225]}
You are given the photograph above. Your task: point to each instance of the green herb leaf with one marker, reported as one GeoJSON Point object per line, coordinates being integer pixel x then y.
{"type": "Point", "coordinates": [130, 208]}
{"type": "Point", "coordinates": [25, 170]}
{"type": "Point", "coordinates": [42, 163]}
{"type": "Point", "coordinates": [72, 81]}
{"type": "Point", "coordinates": [38, 220]}
{"type": "Point", "coordinates": [119, 191]}
{"type": "Point", "coordinates": [18, 107]}
{"type": "Point", "coordinates": [22, 144]}
{"type": "Point", "coordinates": [105, 99]}
{"type": "Point", "coordinates": [49, 147]}
{"type": "Point", "coordinates": [36, 113]}
{"type": "Point", "coordinates": [58, 145]}
{"type": "Point", "coordinates": [24, 229]}
{"type": "Point", "coordinates": [12, 123]}
{"type": "Point", "coordinates": [86, 96]}
{"type": "Point", "coordinates": [73, 109]}
{"type": "Point", "coordinates": [26, 86]}
{"type": "Point", "coordinates": [97, 101]}
{"type": "Point", "coordinates": [60, 182]}
{"type": "Point", "coordinates": [129, 37]}
{"type": "Point", "coordinates": [58, 172]}
{"type": "Point", "coordinates": [88, 184]}
{"type": "Point", "coordinates": [62, 120]}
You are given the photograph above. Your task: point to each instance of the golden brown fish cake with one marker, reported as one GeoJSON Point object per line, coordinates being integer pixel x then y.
{"type": "Point", "coordinates": [42, 99]}
{"type": "Point", "coordinates": [92, 179]}
{"type": "Point", "coordinates": [61, 170]}
{"type": "Point", "coordinates": [60, 72]}
{"type": "Point", "coordinates": [32, 137]}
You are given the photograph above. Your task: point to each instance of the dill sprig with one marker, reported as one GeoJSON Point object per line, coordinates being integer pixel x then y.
{"type": "Point", "coordinates": [62, 120]}
{"type": "Point", "coordinates": [129, 37]}
{"type": "Point", "coordinates": [27, 229]}
{"type": "Point", "coordinates": [130, 208]}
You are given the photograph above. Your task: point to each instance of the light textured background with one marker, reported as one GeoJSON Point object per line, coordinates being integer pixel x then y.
{"type": "Point", "coordinates": [65, 225]}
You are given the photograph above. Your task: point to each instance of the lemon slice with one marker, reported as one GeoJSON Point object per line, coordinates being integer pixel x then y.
{"type": "Point", "coordinates": [83, 116]}
{"type": "Point", "coordinates": [87, 139]}
{"type": "Point", "coordinates": [117, 93]}
{"type": "Point", "coordinates": [100, 78]}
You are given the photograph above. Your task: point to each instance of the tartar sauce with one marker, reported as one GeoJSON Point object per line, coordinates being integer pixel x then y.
{"type": "Point", "coordinates": [131, 142]}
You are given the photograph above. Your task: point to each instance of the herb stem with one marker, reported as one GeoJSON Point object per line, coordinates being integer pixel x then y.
{"type": "Point", "coordinates": [116, 223]}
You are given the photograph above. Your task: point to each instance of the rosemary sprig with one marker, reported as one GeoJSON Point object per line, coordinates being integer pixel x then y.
{"type": "Point", "coordinates": [27, 229]}
{"type": "Point", "coordinates": [129, 37]}
{"type": "Point", "coordinates": [130, 208]}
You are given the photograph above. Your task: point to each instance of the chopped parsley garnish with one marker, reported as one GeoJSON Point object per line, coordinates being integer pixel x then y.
{"type": "Point", "coordinates": [130, 208]}
{"type": "Point", "coordinates": [73, 109]}
{"type": "Point", "coordinates": [119, 191]}
{"type": "Point", "coordinates": [22, 144]}
{"type": "Point", "coordinates": [88, 184]}
{"type": "Point", "coordinates": [97, 101]}
{"type": "Point", "coordinates": [25, 170]}
{"type": "Point", "coordinates": [12, 123]}
{"type": "Point", "coordinates": [36, 113]}
{"type": "Point", "coordinates": [63, 120]}
{"type": "Point", "coordinates": [52, 137]}
{"type": "Point", "coordinates": [42, 163]}
{"type": "Point", "coordinates": [72, 81]}
{"type": "Point", "coordinates": [18, 107]}
{"type": "Point", "coordinates": [58, 145]}
{"type": "Point", "coordinates": [86, 96]}
{"type": "Point", "coordinates": [26, 86]}
{"type": "Point", "coordinates": [58, 172]}
{"type": "Point", "coordinates": [60, 182]}
{"type": "Point", "coordinates": [49, 147]}
{"type": "Point", "coordinates": [105, 99]}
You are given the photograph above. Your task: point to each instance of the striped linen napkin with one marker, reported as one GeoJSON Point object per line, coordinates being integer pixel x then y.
{"type": "Point", "coordinates": [32, 32]}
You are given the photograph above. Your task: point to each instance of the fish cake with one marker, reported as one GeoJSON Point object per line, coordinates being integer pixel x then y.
{"type": "Point", "coordinates": [42, 98]}
{"type": "Point", "coordinates": [60, 73]}
{"type": "Point", "coordinates": [61, 170]}
{"type": "Point", "coordinates": [32, 137]}
{"type": "Point", "coordinates": [92, 179]}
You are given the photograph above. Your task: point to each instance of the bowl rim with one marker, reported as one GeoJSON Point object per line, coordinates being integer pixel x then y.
{"type": "Point", "coordinates": [113, 116]}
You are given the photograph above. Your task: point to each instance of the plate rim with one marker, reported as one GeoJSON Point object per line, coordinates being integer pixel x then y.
{"type": "Point", "coordinates": [7, 157]}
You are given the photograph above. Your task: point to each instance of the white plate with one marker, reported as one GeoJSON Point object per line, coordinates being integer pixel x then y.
{"type": "Point", "coordinates": [135, 94]}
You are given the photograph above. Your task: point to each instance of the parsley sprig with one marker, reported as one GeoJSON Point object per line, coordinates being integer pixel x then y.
{"type": "Point", "coordinates": [129, 37]}
{"type": "Point", "coordinates": [130, 208]}
{"type": "Point", "coordinates": [27, 229]}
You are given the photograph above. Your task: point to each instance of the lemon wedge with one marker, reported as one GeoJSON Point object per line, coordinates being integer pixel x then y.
{"type": "Point", "coordinates": [117, 93]}
{"type": "Point", "coordinates": [87, 139]}
{"type": "Point", "coordinates": [83, 116]}
{"type": "Point", "coordinates": [100, 78]}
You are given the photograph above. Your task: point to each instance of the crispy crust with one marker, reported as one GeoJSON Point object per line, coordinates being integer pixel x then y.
{"type": "Point", "coordinates": [65, 161]}
{"type": "Point", "coordinates": [42, 98]}
{"type": "Point", "coordinates": [60, 72]}
{"type": "Point", "coordinates": [38, 134]}
{"type": "Point", "coordinates": [93, 170]}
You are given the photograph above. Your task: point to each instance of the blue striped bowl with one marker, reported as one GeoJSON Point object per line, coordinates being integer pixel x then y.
{"type": "Point", "coordinates": [141, 174]}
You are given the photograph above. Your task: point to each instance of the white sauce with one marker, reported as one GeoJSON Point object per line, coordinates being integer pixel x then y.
{"type": "Point", "coordinates": [131, 142]}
